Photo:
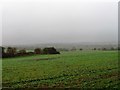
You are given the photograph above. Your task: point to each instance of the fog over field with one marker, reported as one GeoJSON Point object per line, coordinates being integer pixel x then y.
{"type": "Point", "coordinates": [31, 23]}
{"type": "Point", "coordinates": [59, 44]}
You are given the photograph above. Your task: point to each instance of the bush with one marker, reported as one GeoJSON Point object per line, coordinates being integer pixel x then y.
{"type": "Point", "coordinates": [23, 51]}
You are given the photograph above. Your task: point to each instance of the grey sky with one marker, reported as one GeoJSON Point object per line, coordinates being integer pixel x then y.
{"type": "Point", "coordinates": [52, 22]}
{"type": "Point", "coordinates": [0, 24]}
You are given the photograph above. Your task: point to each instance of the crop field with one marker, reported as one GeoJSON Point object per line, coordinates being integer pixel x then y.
{"type": "Point", "coordinates": [72, 69]}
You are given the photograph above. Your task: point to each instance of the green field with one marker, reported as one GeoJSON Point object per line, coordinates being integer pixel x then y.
{"type": "Point", "coordinates": [74, 69]}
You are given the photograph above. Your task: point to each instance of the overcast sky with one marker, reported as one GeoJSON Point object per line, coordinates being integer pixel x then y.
{"type": "Point", "coordinates": [53, 21]}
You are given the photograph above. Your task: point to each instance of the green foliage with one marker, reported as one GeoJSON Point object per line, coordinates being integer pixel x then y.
{"type": "Point", "coordinates": [73, 69]}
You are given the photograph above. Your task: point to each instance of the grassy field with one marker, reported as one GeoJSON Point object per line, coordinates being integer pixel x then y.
{"type": "Point", "coordinates": [77, 69]}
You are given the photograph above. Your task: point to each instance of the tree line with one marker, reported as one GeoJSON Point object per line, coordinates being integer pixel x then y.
{"type": "Point", "coordinates": [80, 49]}
{"type": "Point", "coordinates": [13, 52]}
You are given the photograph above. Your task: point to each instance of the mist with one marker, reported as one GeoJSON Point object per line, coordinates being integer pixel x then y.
{"type": "Point", "coordinates": [59, 22]}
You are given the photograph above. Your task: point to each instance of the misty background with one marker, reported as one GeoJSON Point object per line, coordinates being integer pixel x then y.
{"type": "Point", "coordinates": [58, 23]}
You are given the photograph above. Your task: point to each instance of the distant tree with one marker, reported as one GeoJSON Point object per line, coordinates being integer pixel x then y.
{"type": "Point", "coordinates": [10, 52]}
{"type": "Point", "coordinates": [15, 50]}
{"type": "Point", "coordinates": [81, 49]}
{"type": "Point", "coordinates": [3, 50]}
{"type": "Point", "coordinates": [94, 49]}
{"type": "Point", "coordinates": [23, 51]}
{"type": "Point", "coordinates": [50, 50]}
{"type": "Point", "coordinates": [30, 53]}
{"type": "Point", "coordinates": [37, 51]}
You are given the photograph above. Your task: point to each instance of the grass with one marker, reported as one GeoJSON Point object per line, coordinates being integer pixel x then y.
{"type": "Point", "coordinates": [77, 69]}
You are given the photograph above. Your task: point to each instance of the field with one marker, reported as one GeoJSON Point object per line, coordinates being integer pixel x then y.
{"type": "Point", "coordinates": [73, 69]}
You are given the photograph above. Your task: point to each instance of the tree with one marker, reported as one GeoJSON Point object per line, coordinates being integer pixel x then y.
{"type": "Point", "coordinates": [23, 51]}
{"type": "Point", "coordinates": [10, 51]}
{"type": "Point", "coordinates": [37, 51]}
{"type": "Point", "coordinates": [50, 50]}
{"type": "Point", "coordinates": [14, 50]}
{"type": "Point", "coordinates": [81, 49]}
{"type": "Point", "coordinates": [3, 50]}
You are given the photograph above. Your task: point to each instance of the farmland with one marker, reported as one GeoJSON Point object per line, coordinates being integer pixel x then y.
{"type": "Point", "coordinates": [72, 69]}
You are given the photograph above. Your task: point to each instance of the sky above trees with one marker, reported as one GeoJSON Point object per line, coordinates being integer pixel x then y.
{"type": "Point", "coordinates": [59, 22]}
